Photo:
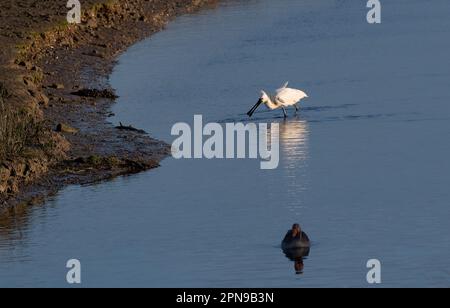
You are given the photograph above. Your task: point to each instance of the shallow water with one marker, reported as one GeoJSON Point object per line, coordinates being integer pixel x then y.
{"type": "Point", "coordinates": [364, 167]}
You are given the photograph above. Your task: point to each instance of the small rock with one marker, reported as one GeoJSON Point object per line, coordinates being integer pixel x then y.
{"type": "Point", "coordinates": [130, 128]}
{"type": "Point", "coordinates": [92, 23]}
{"type": "Point", "coordinates": [4, 174]}
{"type": "Point", "coordinates": [44, 100]}
{"type": "Point", "coordinates": [64, 128]}
{"type": "Point", "coordinates": [57, 86]}
{"type": "Point", "coordinates": [3, 188]}
{"type": "Point", "coordinates": [18, 169]}
{"type": "Point", "coordinates": [27, 81]}
{"type": "Point", "coordinates": [36, 69]}
{"type": "Point", "coordinates": [94, 93]}
{"type": "Point", "coordinates": [40, 97]}
{"type": "Point", "coordinates": [33, 93]}
{"type": "Point", "coordinates": [94, 53]}
{"type": "Point", "coordinates": [12, 187]}
{"type": "Point", "coordinates": [25, 64]}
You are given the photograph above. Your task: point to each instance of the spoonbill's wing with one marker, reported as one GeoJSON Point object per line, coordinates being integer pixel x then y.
{"type": "Point", "coordinates": [284, 86]}
{"type": "Point", "coordinates": [288, 96]}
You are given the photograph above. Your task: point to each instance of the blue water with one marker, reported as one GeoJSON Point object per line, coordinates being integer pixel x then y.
{"type": "Point", "coordinates": [364, 167]}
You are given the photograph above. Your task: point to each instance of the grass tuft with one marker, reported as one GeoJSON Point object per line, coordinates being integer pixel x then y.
{"type": "Point", "coordinates": [18, 129]}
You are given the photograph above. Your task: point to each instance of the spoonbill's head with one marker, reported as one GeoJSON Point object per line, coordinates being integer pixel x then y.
{"type": "Point", "coordinates": [263, 99]}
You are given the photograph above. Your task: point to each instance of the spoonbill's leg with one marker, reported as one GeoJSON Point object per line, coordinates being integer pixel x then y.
{"type": "Point", "coordinates": [284, 111]}
{"type": "Point", "coordinates": [296, 108]}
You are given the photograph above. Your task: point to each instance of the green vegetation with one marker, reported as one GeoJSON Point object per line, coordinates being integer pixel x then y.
{"type": "Point", "coordinates": [110, 161]}
{"type": "Point", "coordinates": [18, 129]}
{"type": "Point", "coordinates": [94, 160]}
{"type": "Point", "coordinates": [106, 5]}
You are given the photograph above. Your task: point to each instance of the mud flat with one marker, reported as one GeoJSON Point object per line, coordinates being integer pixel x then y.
{"type": "Point", "coordinates": [56, 75]}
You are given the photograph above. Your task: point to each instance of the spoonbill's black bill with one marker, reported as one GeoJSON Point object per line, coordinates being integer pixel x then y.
{"type": "Point", "coordinates": [250, 113]}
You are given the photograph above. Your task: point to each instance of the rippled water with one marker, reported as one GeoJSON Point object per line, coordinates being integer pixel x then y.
{"type": "Point", "coordinates": [364, 167]}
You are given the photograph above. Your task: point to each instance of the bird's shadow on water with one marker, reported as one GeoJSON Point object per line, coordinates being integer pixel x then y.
{"type": "Point", "coordinates": [316, 114]}
{"type": "Point", "coordinates": [265, 115]}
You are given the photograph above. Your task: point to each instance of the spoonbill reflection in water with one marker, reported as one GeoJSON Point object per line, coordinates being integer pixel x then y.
{"type": "Point", "coordinates": [284, 97]}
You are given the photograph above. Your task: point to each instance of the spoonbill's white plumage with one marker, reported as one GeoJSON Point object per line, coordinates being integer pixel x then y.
{"type": "Point", "coordinates": [284, 97]}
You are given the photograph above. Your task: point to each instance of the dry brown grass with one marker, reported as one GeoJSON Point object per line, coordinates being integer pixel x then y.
{"type": "Point", "coordinates": [18, 129]}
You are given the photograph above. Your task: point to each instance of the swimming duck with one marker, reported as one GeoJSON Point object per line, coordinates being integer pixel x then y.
{"type": "Point", "coordinates": [295, 238]}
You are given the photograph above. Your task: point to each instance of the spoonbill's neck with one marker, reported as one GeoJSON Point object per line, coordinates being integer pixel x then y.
{"type": "Point", "coordinates": [271, 104]}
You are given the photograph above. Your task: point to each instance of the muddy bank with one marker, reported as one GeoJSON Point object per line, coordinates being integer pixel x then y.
{"type": "Point", "coordinates": [57, 73]}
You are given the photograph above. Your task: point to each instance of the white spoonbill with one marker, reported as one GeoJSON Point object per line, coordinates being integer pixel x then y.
{"type": "Point", "coordinates": [283, 98]}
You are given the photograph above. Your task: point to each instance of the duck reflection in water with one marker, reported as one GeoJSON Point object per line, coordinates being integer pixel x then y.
{"type": "Point", "coordinates": [296, 247]}
{"type": "Point", "coordinates": [297, 255]}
